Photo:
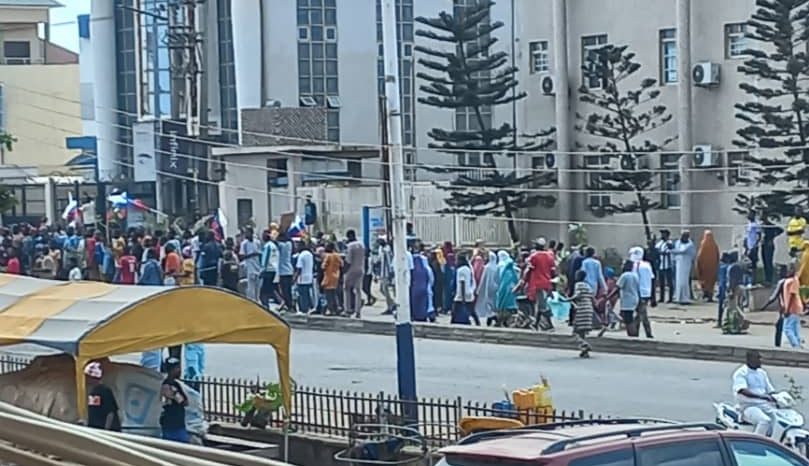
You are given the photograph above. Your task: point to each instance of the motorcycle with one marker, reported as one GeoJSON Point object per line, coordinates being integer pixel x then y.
{"type": "Point", "coordinates": [787, 426]}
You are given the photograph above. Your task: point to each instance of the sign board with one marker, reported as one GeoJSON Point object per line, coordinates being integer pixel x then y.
{"type": "Point", "coordinates": [143, 143]}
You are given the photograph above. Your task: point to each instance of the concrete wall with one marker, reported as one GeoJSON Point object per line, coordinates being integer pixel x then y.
{"type": "Point", "coordinates": [42, 109]}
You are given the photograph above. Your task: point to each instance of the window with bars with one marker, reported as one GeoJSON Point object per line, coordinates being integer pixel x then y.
{"type": "Point", "coordinates": [589, 44]}
{"type": "Point", "coordinates": [739, 168]}
{"type": "Point", "coordinates": [670, 181]}
{"type": "Point", "coordinates": [405, 38]}
{"type": "Point", "coordinates": [596, 166]}
{"type": "Point", "coordinates": [668, 56]}
{"type": "Point", "coordinates": [540, 61]}
{"type": "Point", "coordinates": [736, 40]}
{"type": "Point", "coordinates": [318, 78]}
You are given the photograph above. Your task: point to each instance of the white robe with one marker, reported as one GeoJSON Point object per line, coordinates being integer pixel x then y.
{"type": "Point", "coordinates": [487, 289]}
{"type": "Point", "coordinates": [684, 254]}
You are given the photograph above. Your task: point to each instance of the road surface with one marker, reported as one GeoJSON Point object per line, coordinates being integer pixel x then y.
{"type": "Point", "coordinates": [605, 384]}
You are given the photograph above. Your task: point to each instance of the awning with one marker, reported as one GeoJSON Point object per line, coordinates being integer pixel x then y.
{"type": "Point", "coordinates": [91, 320]}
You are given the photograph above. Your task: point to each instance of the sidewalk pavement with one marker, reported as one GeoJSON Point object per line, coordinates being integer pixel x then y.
{"type": "Point", "coordinates": [679, 332]}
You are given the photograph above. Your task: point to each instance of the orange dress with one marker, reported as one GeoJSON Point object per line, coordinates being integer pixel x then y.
{"type": "Point", "coordinates": [707, 263]}
{"type": "Point", "coordinates": [331, 270]}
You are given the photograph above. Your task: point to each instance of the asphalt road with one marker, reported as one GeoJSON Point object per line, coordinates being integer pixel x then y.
{"type": "Point", "coordinates": [605, 384]}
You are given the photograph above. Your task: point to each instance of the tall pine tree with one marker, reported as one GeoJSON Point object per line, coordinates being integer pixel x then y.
{"type": "Point", "coordinates": [623, 118]}
{"type": "Point", "coordinates": [467, 76]}
{"type": "Point", "coordinates": [777, 119]}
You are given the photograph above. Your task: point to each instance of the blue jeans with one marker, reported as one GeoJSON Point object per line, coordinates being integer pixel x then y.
{"type": "Point", "coordinates": [792, 330]}
{"type": "Point", "coordinates": [176, 435]}
{"type": "Point", "coordinates": [304, 298]}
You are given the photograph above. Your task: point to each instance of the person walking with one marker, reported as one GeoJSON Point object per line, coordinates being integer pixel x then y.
{"type": "Point", "coordinates": [285, 270]}
{"type": "Point", "coordinates": [683, 254]}
{"type": "Point", "coordinates": [646, 289]}
{"type": "Point", "coordinates": [305, 278]}
{"type": "Point", "coordinates": [628, 289]}
{"type": "Point", "coordinates": [752, 240]}
{"type": "Point", "coordinates": [352, 280]}
{"type": "Point", "coordinates": [796, 227]}
{"type": "Point", "coordinates": [175, 400]}
{"type": "Point", "coordinates": [102, 407]}
{"type": "Point", "coordinates": [777, 296]}
{"type": "Point", "coordinates": [210, 254]}
{"type": "Point", "coordinates": [421, 281]}
{"type": "Point", "coordinates": [582, 300]}
{"type": "Point", "coordinates": [462, 308]}
{"type": "Point", "coordinates": [665, 270]}
{"type": "Point", "coordinates": [508, 277]}
{"type": "Point", "coordinates": [384, 271]}
{"type": "Point", "coordinates": [793, 308]}
{"type": "Point", "coordinates": [486, 290]}
{"type": "Point", "coordinates": [707, 266]}
{"type": "Point", "coordinates": [269, 271]}
{"type": "Point", "coordinates": [250, 257]}
{"type": "Point", "coordinates": [541, 268]}
{"type": "Point", "coordinates": [332, 264]}
{"type": "Point", "coordinates": [769, 231]}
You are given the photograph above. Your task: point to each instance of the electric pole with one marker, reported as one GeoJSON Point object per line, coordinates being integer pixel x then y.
{"type": "Point", "coordinates": [405, 352]}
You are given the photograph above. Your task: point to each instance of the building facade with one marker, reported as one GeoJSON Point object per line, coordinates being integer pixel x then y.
{"type": "Point", "coordinates": [327, 54]}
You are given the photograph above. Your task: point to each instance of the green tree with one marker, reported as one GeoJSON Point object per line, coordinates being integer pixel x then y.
{"type": "Point", "coordinates": [465, 75]}
{"type": "Point", "coordinates": [624, 116]}
{"type": "Point", "coordinates": [777, 118]}
{"type": "Point", "coordinates": [7, 199]}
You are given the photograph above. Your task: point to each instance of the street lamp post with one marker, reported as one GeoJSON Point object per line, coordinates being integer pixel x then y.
{"type": "Point", "coordinates": [406, 360]}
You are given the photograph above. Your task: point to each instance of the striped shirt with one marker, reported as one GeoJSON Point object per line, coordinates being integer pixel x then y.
{"type": "Point", "coordinates": [664, 254]}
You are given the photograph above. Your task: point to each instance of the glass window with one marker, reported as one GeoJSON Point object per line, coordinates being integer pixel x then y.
{"type": "Point", "coordinates": [332, 119]}
{"type": "Point", "coordinates": [304, 85]}
{"type": "Point", "coordinates": [407, 13]}
{"type": "Point", "coordinates": [303, 51]}
{"type": "Point", "coordinates": [614, 458]}
{"type": "Point", "coordinates": [316, 16]}
{"type": "Point", "coordinates": [735, 40]}
{"type": "Point", "coordinates": [668, 56]}
{"type": "Point", "coordinates": [331, 17]}
{"type": "Point", "coordinates": [317, 50]}
{"type": "Point", "coordinates": [408, 50]}
{"type": "Point", "coordinates": [692, 453]}
{"type": "Point", "coordinates": [303, 68]}
{"type": "Point", "coordinates": [334, 134]}
{"type": "Point", "coordinates": [597, 166]}
{"type": "Point", "coordinates": [17, 52]}
{"type": "Point", "coordinates": [317, 86]}
{"type": "Point", "coordinates": [670, 180]}
{"type": "Point", "coordinates": [539, 56]}
{"type": "Point", "coordinates": [317, 33]}
{"type": "Point", "coordinates": [244, 211]}
{"type": "Point", "coordinates": [331, 68]}
{"type": "Point", "coordinates": [752, 453]}
{"type": "Point", "coordinates": [407, 32]}
{"type": "Point", "coordinates": [303, 33]}
{"type": "Point", "coordinates": [589, 44]}
{"type": "Point", "coordinates": [317, 68]}
{"type": "Point", "coordinates": [303, 17]}
{"type": "Point", "coordinates": [331, 50]}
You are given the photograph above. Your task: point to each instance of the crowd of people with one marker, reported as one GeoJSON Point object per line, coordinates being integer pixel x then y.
{"type": "Point", "coordinates": [299, 272]}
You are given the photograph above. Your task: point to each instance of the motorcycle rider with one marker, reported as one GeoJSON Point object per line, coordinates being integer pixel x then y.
{"type": "Point", "coordinates": [754, 394]}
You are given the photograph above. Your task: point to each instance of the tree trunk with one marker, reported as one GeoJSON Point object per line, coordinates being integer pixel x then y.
{"type": "Point", "coordinates": [644, 213]}
{"type": "Point", "coordinates": [512, 226]}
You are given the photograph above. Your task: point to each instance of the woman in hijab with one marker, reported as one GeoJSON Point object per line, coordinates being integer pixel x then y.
{"type": "Point", "coordinates": [421, 282]}
{"type": "Point", "coordinates": [506, 302]}
{"type": "Point", "coordinates": [449, 275]}
{"type": "Point", "coordinates": [463, 301]}
{"type": "Point", "coordinates": [708, 264]}
{"type": "Point", "coordinates": [486, 292]}
{"type": "Point", "coordinates": [437, 263]}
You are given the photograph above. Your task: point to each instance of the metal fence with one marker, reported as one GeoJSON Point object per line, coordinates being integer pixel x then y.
{"type": "Point", "coordinates": [336, 412]}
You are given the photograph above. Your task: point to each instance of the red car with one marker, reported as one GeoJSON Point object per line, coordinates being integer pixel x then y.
{"type": "Point", "coordinates": [619, 442]}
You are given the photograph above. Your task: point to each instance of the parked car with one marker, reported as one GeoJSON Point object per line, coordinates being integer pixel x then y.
{"type": "Point", "coordinates": [619, 442]}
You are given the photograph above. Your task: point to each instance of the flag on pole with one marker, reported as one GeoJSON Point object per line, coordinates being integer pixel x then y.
{"type": "Point", "coordinates": [297, 229]}
{"type": "Point", "coordinates": [72, 208]}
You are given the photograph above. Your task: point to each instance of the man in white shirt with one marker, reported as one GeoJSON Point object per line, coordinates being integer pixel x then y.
{"type": "Point", "coordinates": [645, 281]}
{"type": "Point", "coordinates": [304, 278]}
{"type": "Point", "coordinates": [753, 392]}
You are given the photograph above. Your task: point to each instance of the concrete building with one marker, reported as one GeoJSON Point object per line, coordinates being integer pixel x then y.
{"type": "Point", "coordinates": [39, 106]}
{"type": "Point", "coordinates": [260, 54]}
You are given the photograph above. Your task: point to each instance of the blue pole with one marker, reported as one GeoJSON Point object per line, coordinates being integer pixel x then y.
{"type": "Point", "coordinates": [366, 227]}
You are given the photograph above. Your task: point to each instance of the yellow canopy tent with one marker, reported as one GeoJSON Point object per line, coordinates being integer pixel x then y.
{"type": "Point", "coordinates": [91, 320]}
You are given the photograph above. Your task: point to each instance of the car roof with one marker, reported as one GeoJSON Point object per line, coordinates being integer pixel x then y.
{"type": "Point", "coordinates": [529, 445]}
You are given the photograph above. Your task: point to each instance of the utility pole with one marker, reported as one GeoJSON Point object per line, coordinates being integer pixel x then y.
{"type": "Point", "coordinates": [405, 353]}
{"type": "Point", "coordinates": [685, 130]}
{"type": "Point", "coordinates": [383, 112]}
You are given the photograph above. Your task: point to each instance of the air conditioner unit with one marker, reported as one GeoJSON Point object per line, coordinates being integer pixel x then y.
{"type": "Point", "coordinates": [273, 103]}
{"type": "Point", "coordinates": [550, 160]}
{"type": "Point", "coordinates": [704, 156]}
{"type": "Point", "coordinates": [706, 74]}
{"type": "Point", "coordinates": [628, 162]}
{"type": "Point", "coordinates": [548, 85]}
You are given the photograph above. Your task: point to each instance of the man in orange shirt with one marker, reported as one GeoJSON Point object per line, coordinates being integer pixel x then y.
{"type": "Point", "coordinates": [793, 307]}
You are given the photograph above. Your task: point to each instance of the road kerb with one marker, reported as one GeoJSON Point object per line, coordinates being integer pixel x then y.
{"type": "Point", "coordinates": [640, 347]}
